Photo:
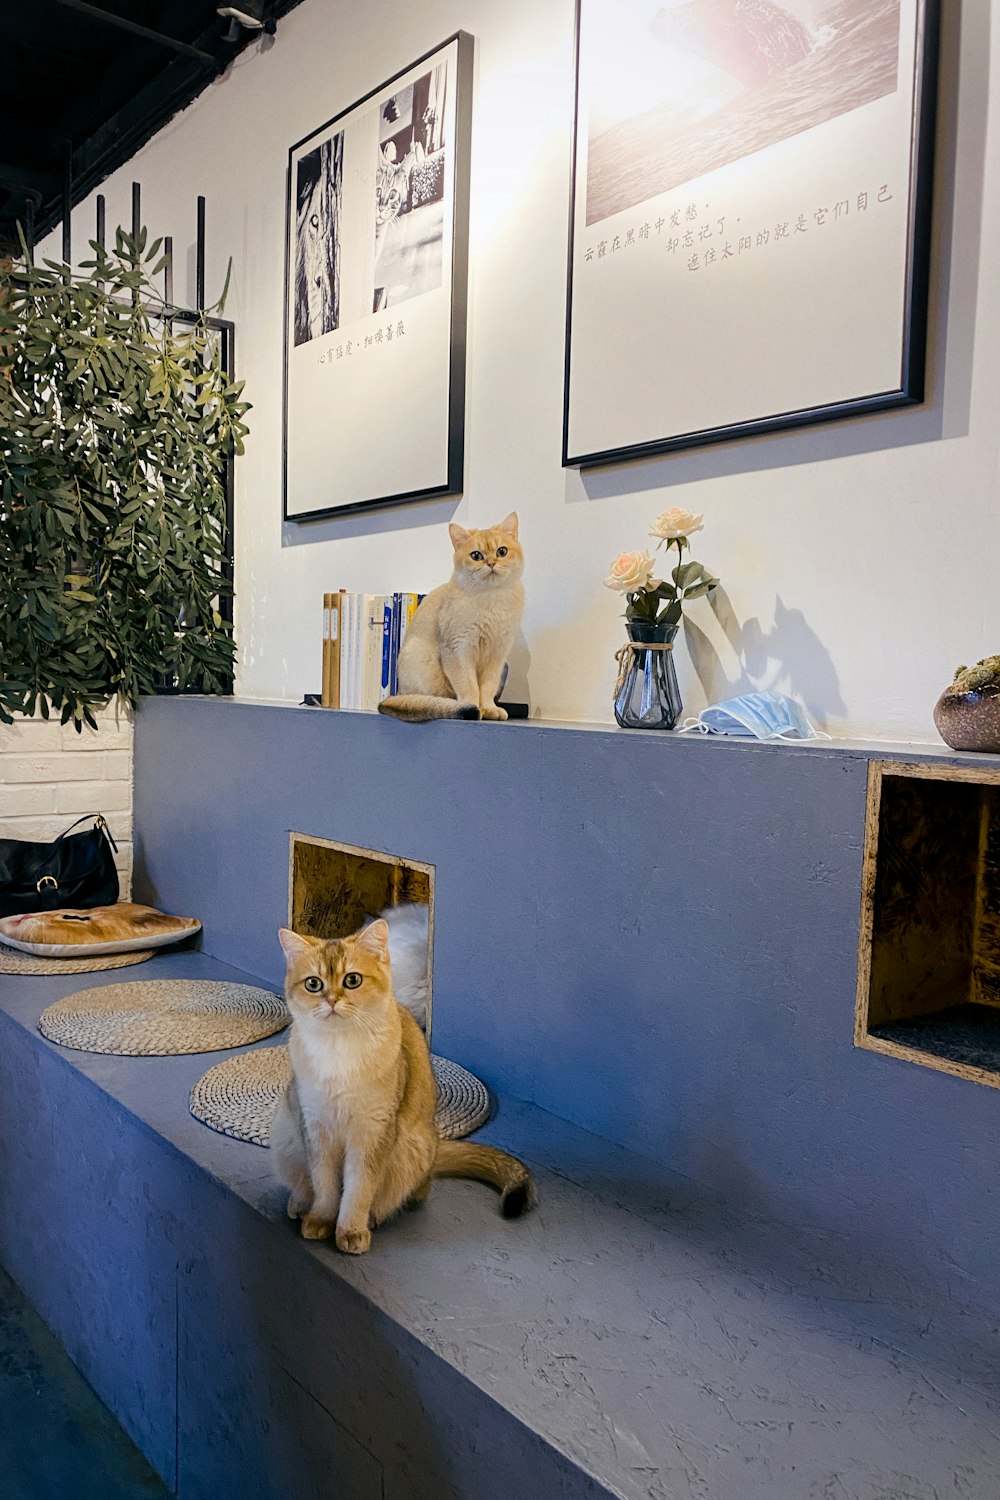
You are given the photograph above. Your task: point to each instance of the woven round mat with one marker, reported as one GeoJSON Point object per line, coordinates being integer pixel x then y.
{"type": "Point", "coordinates": [164, 1017]}
{"type": "Point", "coordinates": [237, 1097]}
{"type": "Point", "coordinates": [12, 962]}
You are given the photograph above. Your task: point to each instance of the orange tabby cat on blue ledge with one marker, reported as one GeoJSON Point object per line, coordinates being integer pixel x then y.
{"type": "Point", "coordinates": [354, 1135]}
{"type": "Point", "coordinates": [458, 641]}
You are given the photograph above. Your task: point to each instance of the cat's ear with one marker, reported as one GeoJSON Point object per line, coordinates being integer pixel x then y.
{"type": "Point", "coordinates": [293, 944]}
{"type": "Point", "coordinates": [459, 535]}
{"type": "Point", "coordinates": [509, 524]}
{"type": "Point", "coordinates": [374, 939]}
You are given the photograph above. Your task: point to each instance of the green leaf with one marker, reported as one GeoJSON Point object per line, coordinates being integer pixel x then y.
{"type": "Point", "coordinates": [699, 589]}
{"type": "Point", "coordinates": [114, 434]}
{"type": "Point", "coordinates": [688, 573]}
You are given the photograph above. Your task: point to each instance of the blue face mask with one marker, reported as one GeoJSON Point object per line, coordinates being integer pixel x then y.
{"type": "Point", "coordinates": [759, 716]}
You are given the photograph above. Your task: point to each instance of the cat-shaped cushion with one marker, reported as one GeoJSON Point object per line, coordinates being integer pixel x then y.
{"type": "Point", "coordinates": [122, 928]}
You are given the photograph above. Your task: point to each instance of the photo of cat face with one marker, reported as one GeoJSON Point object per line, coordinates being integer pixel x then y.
{"type": "Point", "coordinates": [487, 556]}
{"type": "Point", "coordinates": [340, 980]}
{"type": "Point", "coordinates": [409, 191]}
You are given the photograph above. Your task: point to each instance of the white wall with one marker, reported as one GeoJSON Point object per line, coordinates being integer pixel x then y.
{"type": "Point", "coordinates": [50, 776]}
{"type": "Point", "coordinates": [859, 559]}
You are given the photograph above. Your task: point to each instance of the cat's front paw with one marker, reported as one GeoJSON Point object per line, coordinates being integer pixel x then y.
{"type": "Point", "coordinates": [493, 711]}
{"type": "Point", "coordinates": [354, 1241]}
{"type": "Point", "coordinates": [297, 1205]}
{"type": "Point", "coordinates": [314, 1228]}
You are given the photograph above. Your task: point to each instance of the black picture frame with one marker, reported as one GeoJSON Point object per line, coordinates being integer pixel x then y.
{"type": "Point", "coordinates": [449, 381]}
{"type": "Point", "coordinates": [907, 390]}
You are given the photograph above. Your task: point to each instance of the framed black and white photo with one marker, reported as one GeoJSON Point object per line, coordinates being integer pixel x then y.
{"type": "Point", "coordinates": [375, 294]}
{"type": "Point", "coordinates": [751, 218]}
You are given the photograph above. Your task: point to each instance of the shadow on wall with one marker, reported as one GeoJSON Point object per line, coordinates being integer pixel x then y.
{"type": "Point", "coordinates": [783, 658]}
{"type": "Point", "coordinates": [518, 665]}
{"type": "Point", "coordinates": [956, 242]}
{"type": "Point", "coordinates": [564, 643]}
{"type": "Point", "coordinates": [371, 522]}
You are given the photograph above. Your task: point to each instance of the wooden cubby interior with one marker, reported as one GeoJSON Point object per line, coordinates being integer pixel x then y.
{"type": "Point", "coordinates": [334, 888]}
{"type": "Point", "coordinates": [929, 962]}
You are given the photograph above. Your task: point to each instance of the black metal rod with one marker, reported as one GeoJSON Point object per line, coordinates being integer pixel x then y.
{"type": "Point", "coordinates": [101, 226]}
{"type": "Point", "coordinates": [67, 209]}
{"type": "Point", "coordinates": [168, 270]}
{"type": "Point", "coordinates": [136, 227]}
{"type": "Point", "coordinates": [137, 30]}
{"type": "Point", "coordinates": [228, 571]}
{"type": "Point", "coordinates": [199, 274]}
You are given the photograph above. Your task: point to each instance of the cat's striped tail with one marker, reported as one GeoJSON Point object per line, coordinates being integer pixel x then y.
{"type": "Point", "coordinates": [421, 707]}
{"type": "Point", "coordinates": [509, 1176]}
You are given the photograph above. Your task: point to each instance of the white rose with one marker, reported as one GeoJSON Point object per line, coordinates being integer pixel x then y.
{"type": "Point", "coordinates": [630, 571]}
{"type": "Point", "coordinates": [676, 523]}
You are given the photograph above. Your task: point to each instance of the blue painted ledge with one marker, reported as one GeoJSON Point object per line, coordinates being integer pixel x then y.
{"type": "Point", "coordinates": [652, 937]}
{"type": "Point", "coordinates": [630, 1339]}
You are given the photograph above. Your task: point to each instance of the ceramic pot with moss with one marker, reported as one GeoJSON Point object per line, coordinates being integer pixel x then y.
{"type": "Point", "coordinates": [967, 714]}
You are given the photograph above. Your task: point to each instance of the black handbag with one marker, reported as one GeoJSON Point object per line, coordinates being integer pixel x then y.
{"type": "Point", "coordinates": [76, 869]}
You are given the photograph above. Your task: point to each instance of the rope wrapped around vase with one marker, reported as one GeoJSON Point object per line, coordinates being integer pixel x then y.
{"type": "Point", "coordinates": [621, 657]}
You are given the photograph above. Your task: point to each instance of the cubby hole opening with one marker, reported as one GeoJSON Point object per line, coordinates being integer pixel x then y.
{"type": "Point", "coordinates": [929, 960]}
{"type": "Point", "coordinates": [334, 888]}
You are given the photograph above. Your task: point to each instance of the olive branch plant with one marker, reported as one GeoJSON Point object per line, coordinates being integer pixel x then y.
{"type": "Point", "coordinates": [117, 420]}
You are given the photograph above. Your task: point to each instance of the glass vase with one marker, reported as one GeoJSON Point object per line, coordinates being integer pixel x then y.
{"type": "Point", "coordinates": [648, 697]}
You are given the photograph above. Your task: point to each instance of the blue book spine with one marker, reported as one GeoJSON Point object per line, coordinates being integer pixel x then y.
{"type": "Point", "coordinates": [386, 646]}
{"type": "Point", "coordinates": [397, 614]}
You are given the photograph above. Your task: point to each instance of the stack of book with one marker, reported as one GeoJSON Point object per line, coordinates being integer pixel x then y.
{"type": "Point", "coordinates": [362, 636]}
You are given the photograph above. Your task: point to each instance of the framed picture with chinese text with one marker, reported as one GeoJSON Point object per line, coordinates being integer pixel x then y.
{"type": "Point", "coordinates": [375, 294]}
{"type": "Point", "coordinates": [751, 218]}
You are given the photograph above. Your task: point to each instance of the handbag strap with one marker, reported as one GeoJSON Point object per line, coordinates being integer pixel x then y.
{"type": "Point", "coordinates": [99, 822]}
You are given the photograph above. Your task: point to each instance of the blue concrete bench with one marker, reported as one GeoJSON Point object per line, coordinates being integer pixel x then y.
{"type": "Point", "coordinates": [628, 1339]}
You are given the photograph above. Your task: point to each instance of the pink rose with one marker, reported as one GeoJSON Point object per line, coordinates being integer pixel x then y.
{"type": "Point", "coordinates": [630, 572]}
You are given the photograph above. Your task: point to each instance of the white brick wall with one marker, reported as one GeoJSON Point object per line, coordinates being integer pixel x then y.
{"type": "Point", "coordinates": [50, 775]}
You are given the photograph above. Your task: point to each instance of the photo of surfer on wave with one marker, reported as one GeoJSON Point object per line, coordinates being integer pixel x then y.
{"type": "Point", "coordinates": [676, 88]}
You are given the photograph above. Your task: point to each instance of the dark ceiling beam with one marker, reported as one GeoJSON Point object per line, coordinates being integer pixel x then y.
{"type": "Point", "coordinates": [39, 55]}
{"type": "Point", "coordinates": [146, 32]}
{"type": "Point", "coordinates": [100, 152]}
{"type": "Point", "coordinates": [131, 67]}
{"type": "Point", "coordinates": [26, 179]}
{"type": "Point", "coordinates": [124, 134]}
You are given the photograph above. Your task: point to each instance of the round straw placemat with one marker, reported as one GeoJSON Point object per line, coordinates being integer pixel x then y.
{"type": "Point", "coordinates": [13, 962]}
{"type": "Point", "coordinates": [164, 1017]}
{"type": "Point", "coordinates": [237, 1097]}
